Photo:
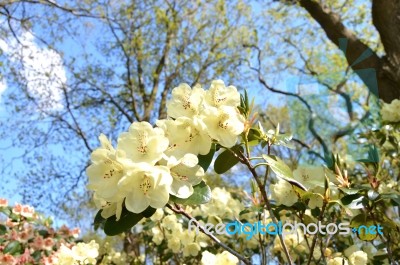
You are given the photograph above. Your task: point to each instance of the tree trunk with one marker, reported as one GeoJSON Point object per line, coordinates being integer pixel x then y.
{"type": "Point", "coordinates": [380, 74]}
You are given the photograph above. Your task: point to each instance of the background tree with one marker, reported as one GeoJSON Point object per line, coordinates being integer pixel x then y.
{"type": "Point", "coordinates": [104, 64]}
{"type": "Point", "coordinates": [120, 60]}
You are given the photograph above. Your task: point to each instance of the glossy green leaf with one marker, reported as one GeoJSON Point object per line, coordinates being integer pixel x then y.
{"type": "Point", "coordinates": [43, 232]}
{"type": "Point", "coordinates": [282, 170]}
{"type": "Point", "coordinates": [201, 194]}
{"type": "Point", "coordinates": [349, 191]}
{"type": "Point", "coordinates": [128, 219]}
{"type": "Point", "coordinates": [98, 220]}
{"type": "Point", "coordinates": [353, 201]}
{"type": "Point", "coordinates": [14, 247]}
{"type": "Point", "coordinates": [395, 198]}
{"type": "Point", "coordinates": [226, 160]}
{"type": "Point", "coordinates": [329, 160]}
{"type": "Point", "coordinates": [148, 212]}
{"type": "Point", "coordinates": [3, 229]}
{"type": "Point", "coordinates": [205, 160]}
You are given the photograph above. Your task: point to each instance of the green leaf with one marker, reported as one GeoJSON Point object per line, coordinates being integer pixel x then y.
{"type": "Point", "coordinates": [201, 194]}
{"type": "Point", "coordinates": [43, 232]}
{"type": "Point", "coordinates": [3, 229]}
{"type": "Point", "coordinates": [37, 255]}
{"type": "Point", "coordinates": [373, 156]}
{"type": "Point", "coordinates": [252, 209]}
{"type": "Point", "coordinates": [98, 220]}
{"type": "Point", "coordinates": [14, 247]}
{"type": "Point", "coordinates": [226, 160]}
{"type": "Point", "coordinates": [395, 198]}
{"type": "Point", "coordinates": [128, 219]}
{"type": "Point", "coordinates": [148, 212]}
{"type": "Point", "coordinates": [362, 220]}
{"type": "Point", "coordinates": [349, 191]}
{"type": "Point", "coordinates": [329, 160]}
{"type": "Point", "coordinates": [282, 170]}
{"type": "Point", "coordinates": [205, 160]}
{"type": "Point", "coordinates": [346, 200]}
{"type": "Point", "coordinates": [254, 134]}
{"type": "Point", "coordinates": [353, 201]}
{"type": "Point", "coordinates": [6, 210]}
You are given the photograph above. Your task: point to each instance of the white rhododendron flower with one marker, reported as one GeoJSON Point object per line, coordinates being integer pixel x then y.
{"type": "Point", "coordinates": [143, 143]}
{"type": "Point", "coordinates": [208, 258]}
{"type": "Point", "coordinates": [109, 208]}
{"type": "Point", "coordinates": [224, 124]}
{"type": "Point", "coordinates": [151, 163]}
{"type": "Point", "coordinates": [218, 95]}
{"type": "Point", "coordinates": [82, 253]}
{"type": "Point", "coordinates": [294, 243]}
{"type": "Point", "coordinates": [338, 261]}
{"type": "Point", "coordinates": [310, 176]}
{"type": "Point", "coordinates": [191, 249]}
{"type": "Point", "coordinates": [391, 112]}
{"type": "Point", "coordinates": [184, 137]}
{"type": "Point", "coordinates": [225, 258]}
{"type": "Point", "coordinates": [283, 193]}
{"type": "Point", "coordinates": [358, 258]}
{"type": "Point", "coordinates": [106, 170]}
{"type": "Point", "coordinates": [174, 244]}
{"type": "Point", "coordinates": [185, 101]}
{"type": "Point", "coordinates": [146, 185]}
{"type": "Point", "coordinates": [221, 205]}
{"type": "Point", "coordinates": [186, 173]}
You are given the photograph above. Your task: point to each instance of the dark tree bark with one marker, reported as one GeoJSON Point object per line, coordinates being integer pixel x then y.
{"type": "Point", "coordinates": [380, 74]}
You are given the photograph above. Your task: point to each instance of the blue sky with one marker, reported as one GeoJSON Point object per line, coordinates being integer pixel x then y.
{"type": "Point", "coordinates": [286, 81]}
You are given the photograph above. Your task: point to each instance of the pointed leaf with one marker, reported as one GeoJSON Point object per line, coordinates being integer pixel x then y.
{"type": "Point", "coordinates": [14, 247]}
{"type": "Point", "coordinates": [205, 160]}
{"type": "Point", "coordinates": [226, 160]}
{"type": "Point", "coordinates": [282, 170]}
{"type": "Point", "coordinates": [128, 219]}
{"type": "Point", "coordinates": [201, 194]}
{"type": "Point", "coordinates": [148, 212]}
{"type": "Point", "coordinates": [3, 229]}
{"type": "Point", "coordinates": [98, 220]}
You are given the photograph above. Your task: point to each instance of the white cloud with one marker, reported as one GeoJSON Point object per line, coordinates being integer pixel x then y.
{"type": "Point", "coordinates": [41, 68]}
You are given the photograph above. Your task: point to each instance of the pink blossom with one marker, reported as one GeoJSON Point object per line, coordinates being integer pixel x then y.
{"type": "Point", "coordinates": [27, 211]}
{"type": "Point", "coordinates": [75, 232]}
{"type": "Point", "coordinates": [51, 260]}
{"type": "Point", "coordinates": [3, 202]}
{"type": "Point", "coordinates": [48, 243]}
{"type": "Point", "coordinates": [7, 259]}
{"type": "Point", "coordinates": [25, 258]}
{"type": "Point", "coordinates": [38, 243]}
{"type": "Point", "coordinates": [17, 208]}
{"type": "Point", "coordinates": [10, 223]}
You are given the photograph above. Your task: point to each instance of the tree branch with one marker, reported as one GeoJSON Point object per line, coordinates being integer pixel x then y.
{"type": "Point", "coordinates": [178, 209]}
{"type": "Point", "coordinates": [359, 56]}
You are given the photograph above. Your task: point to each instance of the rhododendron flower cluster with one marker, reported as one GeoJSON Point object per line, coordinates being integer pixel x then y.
{"type": "Point", "coordinates": [151, 163]}
{"type": "Point", "coordinates": [27, 238]}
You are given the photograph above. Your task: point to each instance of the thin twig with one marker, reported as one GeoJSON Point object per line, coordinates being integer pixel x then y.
{"type": "Point", "coordinates": [180, 210]}
{"type": "Point", "coordinates": [321, 215]}
{"type": "Point", "coordinates": [261, 186]}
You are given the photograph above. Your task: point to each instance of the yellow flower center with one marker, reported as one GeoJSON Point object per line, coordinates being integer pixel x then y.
{"type": "Point", "coordinates": [145, 185]}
